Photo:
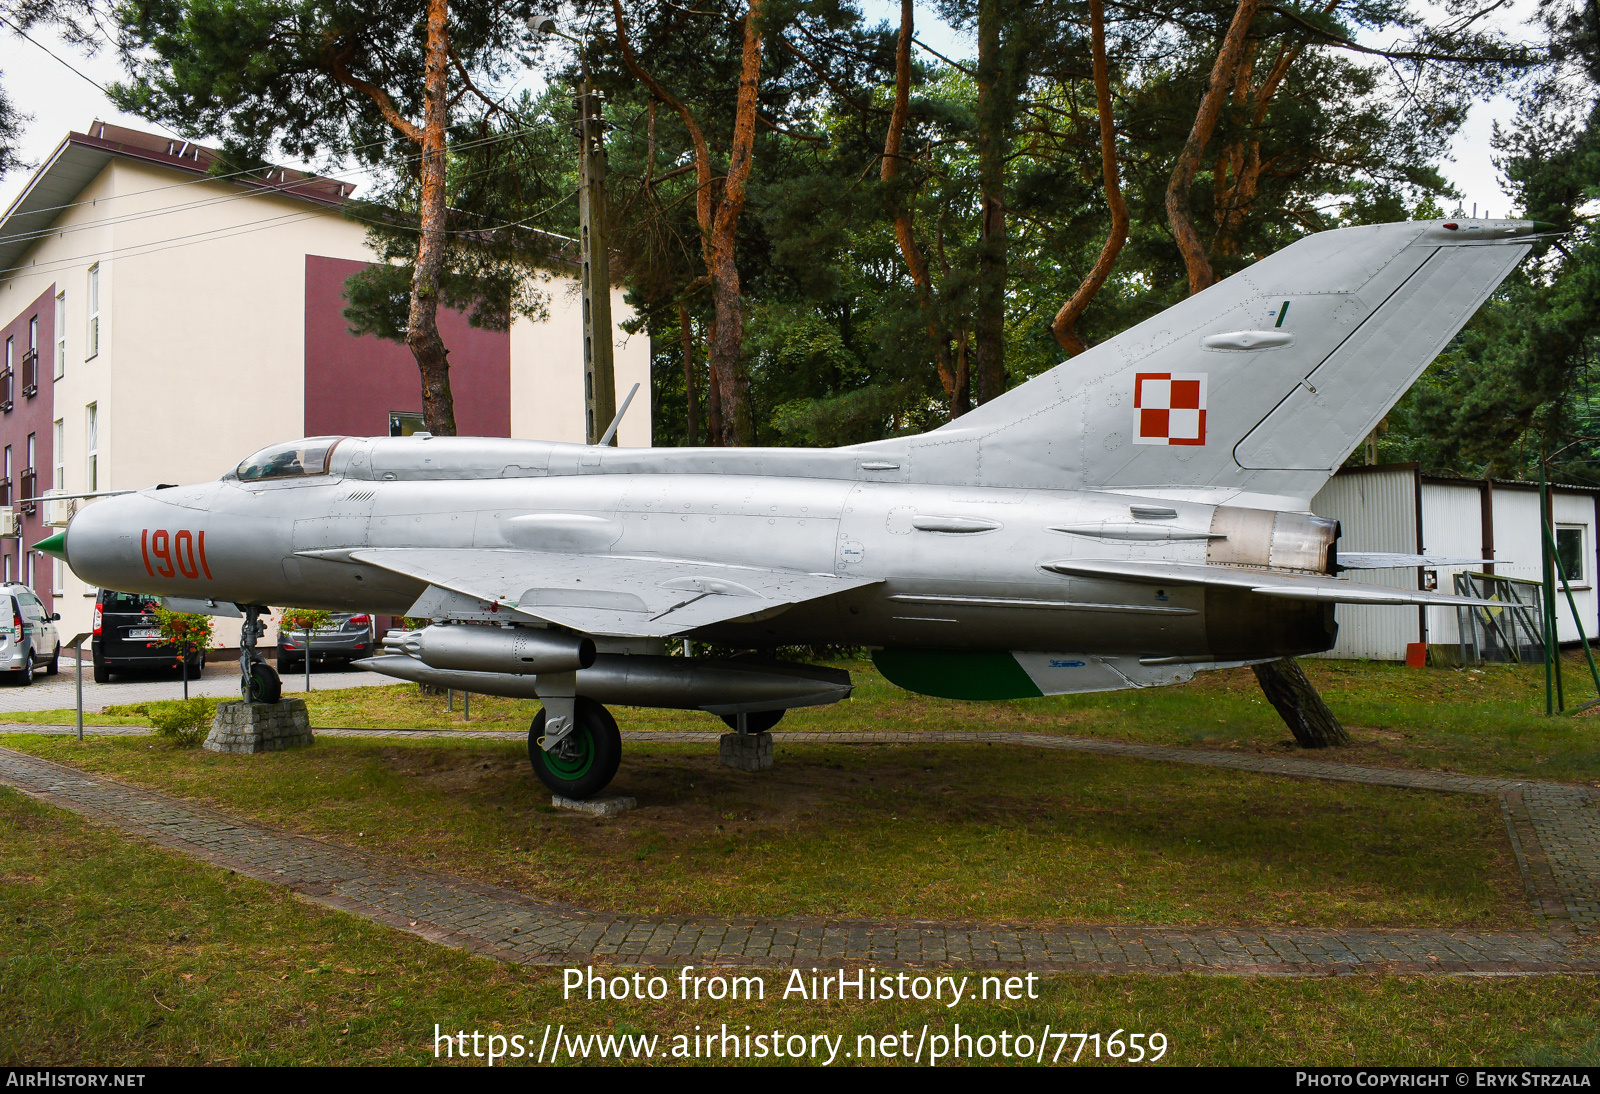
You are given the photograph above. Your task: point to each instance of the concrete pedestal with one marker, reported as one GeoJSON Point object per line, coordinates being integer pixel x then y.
{"type": "Point", "coordinates": [259, 727]}
{"type": "Point", "coordinates": [747, 751]}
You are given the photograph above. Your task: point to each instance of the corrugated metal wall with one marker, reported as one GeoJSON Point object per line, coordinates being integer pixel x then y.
{"type": "Point", "coordinates": [1452, 525]}
{"type": "Point", "coordinates": [1376, 511]}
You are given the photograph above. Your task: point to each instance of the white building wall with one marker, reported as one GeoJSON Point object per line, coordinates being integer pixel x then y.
{"type": "Point", "coordinates": [1517, 538]}
{"type": "Point", "coordinates": [202, 336]}
{"type": "Point", "coordinates": [546, 388]}
{"type": "Point", "coordinates": [1452, 525]}
{"type": "Point", "coordinates": [1376, 511]}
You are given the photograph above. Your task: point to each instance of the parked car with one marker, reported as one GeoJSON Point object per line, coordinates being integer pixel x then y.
{"type": "Point", "coordinates": [343, 638]}
{"type": "Point", "coordinates": [127, 636]}
{"type": "Point", "coordinates": [28, 637]}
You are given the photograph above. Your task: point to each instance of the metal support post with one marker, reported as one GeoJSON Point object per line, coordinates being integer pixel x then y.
{"type": "Point", "coordinates": [1547, 592]}
{"type": "Point", "coordinates": [306, 653]}
{"type": "Point", "coordinates": [599, 373]}
{"type": "Point", "coordinates": [77, 648]}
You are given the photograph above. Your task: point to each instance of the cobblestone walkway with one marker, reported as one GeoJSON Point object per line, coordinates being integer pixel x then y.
{"type": "Point", "coordinates": [1554, 829]}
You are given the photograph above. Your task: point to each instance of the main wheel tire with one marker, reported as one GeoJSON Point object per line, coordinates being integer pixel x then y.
{"type": "Point", "coordinates": [757, 721]}
{"type": "Point", "coordinates": [589, 765]}
{"type": "Point", "coordinates": [54, 666]}
{"type": "Point", "coordinates": [102, 675]}
{"type": "Point", "coordinates": [265, 686]}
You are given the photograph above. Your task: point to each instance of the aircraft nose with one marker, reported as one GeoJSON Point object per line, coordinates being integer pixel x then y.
{"type": "Point", "coordinates": [101, 543]}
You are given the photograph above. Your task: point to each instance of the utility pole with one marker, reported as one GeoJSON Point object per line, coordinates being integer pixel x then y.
{"type": "Point", "coordinates": [599, 375]}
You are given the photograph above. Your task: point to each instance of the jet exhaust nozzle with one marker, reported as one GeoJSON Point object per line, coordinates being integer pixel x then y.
{"type": "Point", "coordinates": [639, 680]}
{"type": "Point", "coordinates": [519, 651]}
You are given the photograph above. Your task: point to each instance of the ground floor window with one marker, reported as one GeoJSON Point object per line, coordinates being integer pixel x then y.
{"type": "Point", "coordinates": [1569, 549]}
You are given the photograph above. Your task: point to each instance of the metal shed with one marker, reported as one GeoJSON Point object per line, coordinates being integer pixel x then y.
{"type": "Point", "coordinates": [1397, 508]}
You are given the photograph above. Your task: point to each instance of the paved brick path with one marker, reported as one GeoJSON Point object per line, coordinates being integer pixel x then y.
{"type": "Point", "coordinates": [1554, 829]}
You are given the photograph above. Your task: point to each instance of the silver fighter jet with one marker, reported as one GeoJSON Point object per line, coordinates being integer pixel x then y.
{"type": "Point", "coordinates": [1126, 519]}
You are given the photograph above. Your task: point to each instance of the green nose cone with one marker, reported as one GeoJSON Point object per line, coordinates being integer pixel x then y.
{"type": "Point", "coordinates": [1544, 226]}
{"type": "Point", "coordinates": [55, 546]}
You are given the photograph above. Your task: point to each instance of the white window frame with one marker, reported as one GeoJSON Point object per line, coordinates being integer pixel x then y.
{"type": "Point", "coordinates": [31, 572]}
{"type": "Point", "coordinates": [58, 367]}
{"type": "Point", "coordinates": [59, 454]}
{"type": "Point", "coordinates": [1582, 579]}
{"type": "Point", "coordinates": [91, 471]}
{"type": "Point", "coordinates": [93, 327]}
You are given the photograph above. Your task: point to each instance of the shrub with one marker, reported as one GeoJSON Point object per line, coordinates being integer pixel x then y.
{"type": "Point", "coordinates": [184, 722]}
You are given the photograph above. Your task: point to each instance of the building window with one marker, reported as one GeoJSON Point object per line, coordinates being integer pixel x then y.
{"type": "Point", "coordinates": [30, 477]}
{"type": "Point", "coordinates": [7, 373]}
{"type": "Point", "coordinates": [58, 434]}
{"type": "Point", "coordinates": [8, 568]}
{"type": "Point", "coordinates": [403, 423]}
{"type": "Point", "coordinates": [30, 360]}
{"type": "Point", "coordinates": [92, 470]}
{"type": "Point", "coordinates": [1569, 549]}
{"type": "Point", "coordinates": [94, 312]}
{"type": "Point", "coordinates": [31, 557]}
{"type": "Point", "coordinates": [6, 496]}
{"type": "Point", "coordinates": [60, 363]}
{"type": "Point", "coordinates": [58, 580]}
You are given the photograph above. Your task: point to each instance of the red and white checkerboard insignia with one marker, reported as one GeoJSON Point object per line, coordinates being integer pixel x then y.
{"type": "Point", "coordinates": [1170, 407]}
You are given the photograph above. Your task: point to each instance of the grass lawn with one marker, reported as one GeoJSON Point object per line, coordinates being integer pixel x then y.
{"type": "Point", "coordinates": [1481, 722]}
{"type": "Point", "coordinates": [964, 832]}
{"type": "Point", "coordinates": [118, 953]}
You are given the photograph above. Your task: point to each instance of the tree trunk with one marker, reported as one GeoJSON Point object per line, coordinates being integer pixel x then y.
{"type": "Point", "coordinates": [691, 378]}
{"type": "Point", "coordinates": [989, 300]}
{"type": "Point", "coordinates": [729, 398]}
{"type": "Point", "coordinates": [1195, 257]}
{"type": "Point", "coordinates": [904, 219]}
{"type": "Point", "coordinates": [1065, 325]}
{"type": "Point", "coordinates": [1285, 685]}
{"type": "Point", "coordinates": [422, 322]}
{"type": "Point", "coordinates": [738, 426]}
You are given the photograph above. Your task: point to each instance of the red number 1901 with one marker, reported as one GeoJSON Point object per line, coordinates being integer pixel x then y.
{"type": "Point", "coordinates": [181, 552]}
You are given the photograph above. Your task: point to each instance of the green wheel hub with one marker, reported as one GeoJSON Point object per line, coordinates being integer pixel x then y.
{"type": "Point", "coordinates": [581, 759]}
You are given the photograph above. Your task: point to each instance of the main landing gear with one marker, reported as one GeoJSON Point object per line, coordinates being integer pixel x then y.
{"type": "Point", "coordinates": [258, 681]}
{"type": "Point", "coordinates": [584, 760]}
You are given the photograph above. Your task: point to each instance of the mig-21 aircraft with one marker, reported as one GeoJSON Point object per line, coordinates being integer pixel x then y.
{"type": "Point", "coordinates": [1133, 516]}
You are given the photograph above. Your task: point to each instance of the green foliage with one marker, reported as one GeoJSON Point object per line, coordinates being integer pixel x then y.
{"type": "Point", "coordinates": [189, 633]}
{"type": "Point", "coordinates": [303, 620]}
{"type": "Point", "coordinates": [184, 722]}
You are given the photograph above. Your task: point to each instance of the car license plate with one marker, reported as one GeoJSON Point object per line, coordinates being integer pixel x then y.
{"type": "Point", "coordinates": [144, 632]}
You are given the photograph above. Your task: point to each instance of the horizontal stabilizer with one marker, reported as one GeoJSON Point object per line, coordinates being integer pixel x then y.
{"type": "Point", "coordinates": [1278, 583]}
{"type": "Point", "coordinates": [1381, 560]}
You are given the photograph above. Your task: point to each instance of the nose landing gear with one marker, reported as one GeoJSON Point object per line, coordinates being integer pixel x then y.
{"type": "Point", "coordinates": [258, 681]}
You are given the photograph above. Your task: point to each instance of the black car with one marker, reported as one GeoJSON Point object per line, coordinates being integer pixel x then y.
{"type": "Point", "coordinates": [344, 637]}
{"type": "Point", "coordinates": [127, 636]}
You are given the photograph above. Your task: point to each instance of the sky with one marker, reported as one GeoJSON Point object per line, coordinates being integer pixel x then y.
{"type": "Point", "coordinates": [61, 101]}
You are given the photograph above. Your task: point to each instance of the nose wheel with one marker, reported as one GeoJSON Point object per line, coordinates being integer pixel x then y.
{"type": "Point", "coordinates": [258, 681]}
{"type": "Point", "coordinates": [583, 762]}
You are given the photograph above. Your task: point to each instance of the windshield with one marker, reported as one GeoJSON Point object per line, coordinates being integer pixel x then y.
{"type": "Point", "coordinates": [292, 459]}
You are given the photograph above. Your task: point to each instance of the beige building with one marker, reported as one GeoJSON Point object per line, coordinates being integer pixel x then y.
{"type": "Point", "coordinates": [161, 324]}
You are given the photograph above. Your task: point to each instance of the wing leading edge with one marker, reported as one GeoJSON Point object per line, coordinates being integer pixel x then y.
{"type": "Point", "coordinates": [606, 595]}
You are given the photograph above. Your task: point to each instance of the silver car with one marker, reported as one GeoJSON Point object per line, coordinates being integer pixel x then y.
{"type": "Point", "coordinates": [28, 636]}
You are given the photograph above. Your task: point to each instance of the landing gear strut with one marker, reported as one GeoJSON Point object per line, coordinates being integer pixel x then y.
{"type": "Point", "coordinates": [584, 761]}
{"type": "Point", "coordinates": [258, 681]}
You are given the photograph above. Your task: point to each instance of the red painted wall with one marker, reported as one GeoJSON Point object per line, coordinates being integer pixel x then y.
{"type": "Point", "coordinates": [353, 383]}
{"type": "Point", "coordinates": [32, 414]}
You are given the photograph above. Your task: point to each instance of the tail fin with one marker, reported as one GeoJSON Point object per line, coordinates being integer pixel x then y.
{"type": "Point", "coordinates": [1262, 384]}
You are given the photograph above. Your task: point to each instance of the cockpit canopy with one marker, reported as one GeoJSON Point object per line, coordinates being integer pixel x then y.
{"type": "Point", "coordinates": [289, 460]}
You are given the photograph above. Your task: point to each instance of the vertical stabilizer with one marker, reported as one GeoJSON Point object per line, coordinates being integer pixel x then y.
{"type": "Point", "coordinates": [1261, 385]}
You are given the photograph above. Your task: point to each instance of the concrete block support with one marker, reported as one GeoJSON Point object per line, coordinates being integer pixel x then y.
{"type": "Point", "coordinates": [259, 727]}
{"type": "Point", "coordinates": [747, 751]}
{"type": "Point", "coordinates": [609, 806]}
